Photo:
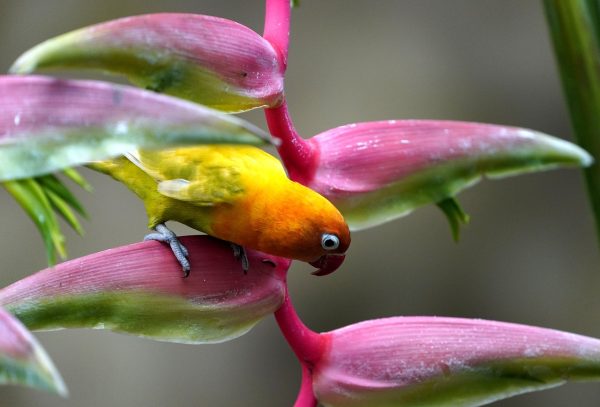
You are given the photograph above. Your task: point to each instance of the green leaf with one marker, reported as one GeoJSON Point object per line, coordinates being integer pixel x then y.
{"type": "Point", "coordinates": [53, 185]}
{"type": "Point", "coordinates": [32, 197]}
{"type": "Point", "coordinates": [455, 214]}
{"type": "Point", "coordinates": [64, 210]}
{"type": "Point", "coordinates": [77, 178]}
{"type": "Point", "coordinates": [575, 30]}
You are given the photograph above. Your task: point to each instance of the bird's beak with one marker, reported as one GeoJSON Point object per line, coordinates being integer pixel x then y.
{"type": "Point", "coordinates": [327, 264]}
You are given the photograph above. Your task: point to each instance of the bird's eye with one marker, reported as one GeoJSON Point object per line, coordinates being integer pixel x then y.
{"type": "Point", "coordinates": [329, 241]}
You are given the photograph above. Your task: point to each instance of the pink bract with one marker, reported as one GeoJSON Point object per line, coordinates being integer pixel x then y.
{"type": "Point", "coordinates": [209, 60]}
{"type": "Point", "coordinates": [139, 289]}
{"type": "Point", "coordinates": [23, 361]}
{"type": "Point", "coordinates": [47, 124]}
{"type": "Point", "coordinates": [378, 171]}
{"type": "Point", "coordinates": [415, 361]}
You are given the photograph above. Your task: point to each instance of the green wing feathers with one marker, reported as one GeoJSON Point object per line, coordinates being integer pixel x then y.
{"type": "Point", "coordinates": [202, 176]}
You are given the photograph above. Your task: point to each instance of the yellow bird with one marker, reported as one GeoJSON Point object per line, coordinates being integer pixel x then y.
{"type": "Point", "coordinates": [240, 194]}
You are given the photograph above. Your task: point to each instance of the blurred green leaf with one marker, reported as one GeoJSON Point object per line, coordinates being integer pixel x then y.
{"type": "Point", "coordinates": [575, 30]}
{"type": "Point", "coordinates": [33, 199]}
{"type": "Point", "coordinates": [77, 178]}
{"type": "Point", "coordinates": [41, 198]}
{"type": "Point", "coordinates": [62, 208]}
{"type": "Point", "coordinates": [54, 185]}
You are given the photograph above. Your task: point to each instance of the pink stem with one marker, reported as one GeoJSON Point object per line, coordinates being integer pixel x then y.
{"type": "Point", "coordinates": [277, 27]}
{"type": "Point", "coordinates": [306, 344]}
{"type": "Point", "coordinates": [306, 396]}
{"type": "Point", "coordinates": [297, 154]}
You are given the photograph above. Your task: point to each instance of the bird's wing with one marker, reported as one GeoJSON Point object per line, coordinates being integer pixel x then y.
{"type": "Point", "coordinates": [202, 176]}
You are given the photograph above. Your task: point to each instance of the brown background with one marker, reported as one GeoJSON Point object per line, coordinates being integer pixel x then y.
{"type": "Point", "coordinates": [529, 255]}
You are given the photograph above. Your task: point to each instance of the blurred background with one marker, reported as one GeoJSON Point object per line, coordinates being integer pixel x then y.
{"type": "Point", "coordinates": [529, 255]}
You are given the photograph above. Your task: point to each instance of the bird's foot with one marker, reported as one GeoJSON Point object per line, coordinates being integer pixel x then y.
{"type": "Point", "coordinates": [240, 253]}
{"type": "Point", "coordinates": [164, 234]}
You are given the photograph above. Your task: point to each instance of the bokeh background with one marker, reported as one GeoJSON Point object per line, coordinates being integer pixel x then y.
{"type": "Point", "coordinates": [529, 255]}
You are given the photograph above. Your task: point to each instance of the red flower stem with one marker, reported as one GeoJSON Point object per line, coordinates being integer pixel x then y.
{"type": "Point", "coordinates": [306, 344]}
{"type": "Point", "coordinates": [277, 27]}
{"type": "Point", "coordinates": [297, 154]}
{"type": "Point", "coordinates": [306, 397]}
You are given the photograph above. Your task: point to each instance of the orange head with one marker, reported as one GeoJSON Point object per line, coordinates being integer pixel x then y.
{"type": "Point", "coordinates": [301, 224]}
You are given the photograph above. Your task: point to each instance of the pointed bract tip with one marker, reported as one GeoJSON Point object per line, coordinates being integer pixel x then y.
{"type": "Point", "coordinates": [23, 361]}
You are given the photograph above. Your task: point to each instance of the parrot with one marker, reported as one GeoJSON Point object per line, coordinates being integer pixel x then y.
{"type": "Point", "coordinates": [240, 194]}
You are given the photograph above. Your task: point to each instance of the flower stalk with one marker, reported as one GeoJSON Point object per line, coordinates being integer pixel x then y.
{"type": "Point", "coordinates": [296, 153]}
{"type": "Point", "coordinates": [306, 344]}
{"type": "Point", "coordinates": [277, 27]}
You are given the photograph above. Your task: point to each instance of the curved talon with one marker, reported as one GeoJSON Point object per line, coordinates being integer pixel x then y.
{"type": "Point", "coordinates": [240, 253]}
{"type": "Point", "coordinates": [164, 234]}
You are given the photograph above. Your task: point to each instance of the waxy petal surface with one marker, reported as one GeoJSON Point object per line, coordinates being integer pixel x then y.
{"type": "Point", "coordinates": [378, 171]}
{"type": "Point", "coordinates": [23, 361]}
{"type": "Point", "coordinates": [209, 60]}
{"type": "Point", "coordinates": [138, 289]}
{"type": "Point", "coordinates": [47, 124]}
{"type": "Point", "coordinates": [423, 361]}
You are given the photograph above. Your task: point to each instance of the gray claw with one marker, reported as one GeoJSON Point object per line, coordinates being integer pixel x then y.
{"type": "Point", "coordinates": [240, 253]}
{"type": "Point", "coordinates": [164, 234]}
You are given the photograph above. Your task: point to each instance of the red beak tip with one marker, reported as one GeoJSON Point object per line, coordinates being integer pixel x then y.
{"type": "Point", "coordinates": [327, 264]}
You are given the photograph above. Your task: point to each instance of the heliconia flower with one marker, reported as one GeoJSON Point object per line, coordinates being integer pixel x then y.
{"type": "Point", "coordinates": [423, 361]}
{"type": "Point", "coordinates": [138, 289]}
{"type": "Point", "coordinates": [209, 60]}
{"type": "Point", "coordinates": [23, 361]}
{"type": "Point", "coordinates": [48, 124]}
{"type": "Point", "coordinates": [377, 171]}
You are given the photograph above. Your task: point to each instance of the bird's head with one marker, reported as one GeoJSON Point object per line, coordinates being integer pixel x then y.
{"type": "Point", "coordinates": [321, 235]}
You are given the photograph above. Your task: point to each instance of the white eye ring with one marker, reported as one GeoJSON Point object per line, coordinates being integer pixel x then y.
{"type": "Point", "coordinates": [329, 241]}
